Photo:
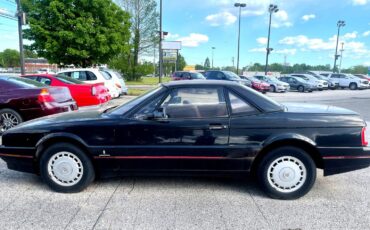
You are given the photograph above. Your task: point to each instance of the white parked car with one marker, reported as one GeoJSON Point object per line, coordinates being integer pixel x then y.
{"type": "Point", "coordinates": [45, 71]}
{"type": "Point", "coordinates": [275, 84]}
{"type": "Point", "coordinates": [349, 81]}
{"type": "Point", "coordinates": [118, 81]}
{"type": "Point", "coordinates": [320, 84]}
{"type": "Point", "coordinates": [91, 76]}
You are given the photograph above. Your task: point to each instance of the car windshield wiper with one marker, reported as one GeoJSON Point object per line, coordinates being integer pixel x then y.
{"type": "Point", "coordinates": [110, 108]}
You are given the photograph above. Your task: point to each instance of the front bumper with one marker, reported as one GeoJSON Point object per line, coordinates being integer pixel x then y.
{"type": "Point", "coordinates": [363, 86]}
{"type": "Point", "coordinates": [19, 158]}
{"type": "Point", "coordinates": [343, 159]}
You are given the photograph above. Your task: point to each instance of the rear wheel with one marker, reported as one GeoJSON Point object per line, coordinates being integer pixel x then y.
{"type": "Point", "coordinates": [8, 119]}
{"type": "Point", "coordinates": [66, 168]}
{"type": "Point", "coordinates": [286, 173]}
{"type": "Point", "coordinates": [301, 88]}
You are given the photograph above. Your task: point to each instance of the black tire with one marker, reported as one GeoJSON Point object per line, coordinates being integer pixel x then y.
{"type": "Point", "coordinates": [87, 171]}
{"type": "Point", "coordinates": [272, 88]}
{"type": "Point", "coordinates": [266, 178]}
{"type": "Point", "coordinates": [7, 112]}
{"type": "Point", "coordinates": [301, 88]}
{"type": "Point", "coordinates": [353, 86]}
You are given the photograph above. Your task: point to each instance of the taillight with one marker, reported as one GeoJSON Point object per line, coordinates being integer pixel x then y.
{"type": "Point", "coordinates": [93, 91]}
{"type": "Point", "coordinates": [118, 85]}
{"type": "Point", "coordinates": [363, 137]}
{"type": "Point", "coordinates": [45, 96]}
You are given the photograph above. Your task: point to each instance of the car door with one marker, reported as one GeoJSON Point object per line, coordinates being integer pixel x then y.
{"type": "Point", "coordinates": [191, 134]}
{"type": "Point", "coordinates": [293, 83]}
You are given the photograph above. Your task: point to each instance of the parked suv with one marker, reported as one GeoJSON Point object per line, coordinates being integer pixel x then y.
{"type": "Point", "coordinates": [275, 84]}
{"type": "Point", "coordinates": [349, 81]}
{"type": "Point", "coordinates": [226, 76]}
{"type": "Point", "coordinates": [320, 84]}
{"type": "Point", "coordinates": [186, 75]}
{"type": "Point", "coordinates": [299, 84]}
{"type": "Point", "coordinates": [92, 76]}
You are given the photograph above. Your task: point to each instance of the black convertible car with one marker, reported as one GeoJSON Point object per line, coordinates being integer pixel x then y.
{"type": "Point", "coordinates": [195, 127]}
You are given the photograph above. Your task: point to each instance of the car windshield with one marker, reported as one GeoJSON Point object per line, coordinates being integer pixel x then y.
{"type": "Point", "coordinates": [231, 75]}
{"type": "Point", "coordinates": [197, 76]}
{"type": "Point", "coordinates": [131, 104]}
{"type": "Point", "coordinates": [25, 83]}
{"type": "Point", "coordinates": [69, 80]}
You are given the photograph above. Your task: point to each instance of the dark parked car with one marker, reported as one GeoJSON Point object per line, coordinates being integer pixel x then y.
{"type": "Point", "coordinates": [299, 84]}
{"type": "Point", "coordinates": [226, 76]}
{"type": "Point", "coordinates": [192, 127]}
{"type": "Point", "coordinates": [23, 99]}
{"type": "Point", "coordinates": [186, 75]}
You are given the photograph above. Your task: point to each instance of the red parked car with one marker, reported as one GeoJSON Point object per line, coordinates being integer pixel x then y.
{"type": "Point", "coordinates": [84, 94]}
{"type": "Point", "coordinates": [23, 99]}
{"type": "Point", "coordinates": [259, 85]}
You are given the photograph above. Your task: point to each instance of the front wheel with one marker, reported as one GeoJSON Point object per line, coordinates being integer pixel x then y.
{"type": "Point", "coordinates": [272, 88]}
{"type": "Point", "coordinates": [301, 88]}
{"type": "Point", "coordinates": [66, 168]}
{"type": "Point", "coordinates": [286, 173]}
{"type": "Point", "coordinates": [353, 86]}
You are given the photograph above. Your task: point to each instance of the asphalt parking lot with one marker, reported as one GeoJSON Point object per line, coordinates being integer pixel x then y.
{"type": "Point", "coordinates": [335, 202]}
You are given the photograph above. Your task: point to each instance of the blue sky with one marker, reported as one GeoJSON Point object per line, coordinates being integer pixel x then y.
{"type": "Point", "coordinates": [303, 30]}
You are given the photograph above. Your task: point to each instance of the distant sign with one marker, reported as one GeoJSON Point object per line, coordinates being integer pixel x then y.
{"type": "Point", "coordinates": [170, 55]}
{"type": "Point", "coordinates": [171, 45]}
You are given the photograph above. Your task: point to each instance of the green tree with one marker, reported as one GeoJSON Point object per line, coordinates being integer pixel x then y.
{"type": "Point", "coordinates": [199, 67]}
{"type": "Point", "coordinates": [181, 62]}
{"type": "Point", "coordinates": [144, 27]}
{"type": "Point", "coordinates": [9, 58]}
{"type": "Point", "coordinates": [29, 53]}
{"type": "Point", "coordinates": [79, 32]}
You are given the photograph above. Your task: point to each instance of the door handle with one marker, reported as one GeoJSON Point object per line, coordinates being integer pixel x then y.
{"type": "Point", "coordinates": [217, 126]}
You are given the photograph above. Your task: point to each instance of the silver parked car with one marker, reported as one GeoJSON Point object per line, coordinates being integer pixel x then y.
{"type": "Point", "coordinates": [275, 84]}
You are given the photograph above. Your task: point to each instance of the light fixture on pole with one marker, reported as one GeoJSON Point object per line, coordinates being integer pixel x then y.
{"type": "Point", "coordinates": [213, 48]}
{"type": "Point", "coordinates": [240, 5]}
{"type": "Point", "coordinates": [272, 9]}
{"type": "Point", "coordinates": [340, 24]}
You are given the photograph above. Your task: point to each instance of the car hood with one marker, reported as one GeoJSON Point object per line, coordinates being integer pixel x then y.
{"type": "Point", "coordinates": [61, 118]}
{"type": "Point", "coordinates": [316, 108]}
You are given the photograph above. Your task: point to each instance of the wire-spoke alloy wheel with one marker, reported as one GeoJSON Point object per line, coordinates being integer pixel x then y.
{"type": "Point", "coordinates": [65, 168]}
{"type": "Point", "coordinates": [286, 174]}
{"type": "Point", "coordinates": [8, 119]}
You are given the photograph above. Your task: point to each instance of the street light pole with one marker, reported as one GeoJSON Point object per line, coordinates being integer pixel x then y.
{"type": "Point", "coordinates": [212, 55]}
{"type": "Point", "coordinates": [240, 5]}
{"type": "Point", "coordinates": [340, 23]}
{"type": "Point", "coordinates": [160, 43]}
{"type": "Point", "coordinates": [341, 57]}
{"type": "Point", "coordinates": [272, 9]}
{"type": "Point", "coordinates": [20, 16]}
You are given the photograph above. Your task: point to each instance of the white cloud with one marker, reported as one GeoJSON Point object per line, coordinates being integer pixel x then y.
{"type": "Point", "coordinates": [172, 36]}
{"type": "Point", "coordinates": [359, 2]}
{"type": "Point", "coordinates": [350, 35]}
{"type": "Point", "coordinates": [281, 19]}
{"type": "Point", "coordinates": [366, 33]}
{"type": "Point", "coordinates": [279, 51]}
{"type": "Point", "coordinates": [223, 18]}
{"type": "Point", "coordinates": [308, 17]}
{"type": "Point", "coordinates": [193, 40]}
{"type": "Point", "coordinates": [262, 40]}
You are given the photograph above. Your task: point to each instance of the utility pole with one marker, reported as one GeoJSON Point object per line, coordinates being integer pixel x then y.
{"type": "Point", "coordinates": [213, 48]}
{"type": "Point", "coordinates": [21, 19]}
{"type": "Point", "coordinates": [339, 24]}
{"type": "Point", "coordinates": [341, 57]}
{"type": "Point", "coordinates": [160, 43]}
{"type": "Point", "coordinates": [240, 5]}
{"type": "Point", "coordinates": [272, 9]}
{"type": "Point", "coordinates": [232, 60]}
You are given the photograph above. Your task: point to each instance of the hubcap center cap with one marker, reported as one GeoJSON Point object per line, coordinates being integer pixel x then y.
{"type": "Point", "coordinates": [286, 174]}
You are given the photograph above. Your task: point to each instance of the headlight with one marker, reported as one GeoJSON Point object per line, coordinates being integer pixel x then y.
{"type": "Point", "coordinates": [279, 85]}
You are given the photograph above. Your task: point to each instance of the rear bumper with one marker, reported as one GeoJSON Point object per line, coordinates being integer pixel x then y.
{"type": "Point", "coordinates": [342, 159]}
{"type": "Point", "coordinates": [19, 159]}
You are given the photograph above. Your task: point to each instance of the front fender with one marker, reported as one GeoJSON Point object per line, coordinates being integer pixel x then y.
{"type": "Point", "coordinates": [60, 135]}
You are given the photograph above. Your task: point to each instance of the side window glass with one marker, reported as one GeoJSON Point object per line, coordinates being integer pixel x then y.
{"type": "Point", "coordinates": [239, 106]}
{"type": "Point", "coordinates": [149, 108]}
{"type": "Point", "coordinates": [75, 75]}
{"type": "Point", "coordinates": [33, 78]}
{"type": "Point", "coordinates": [195, 103]}
{"type": "Point", "coordinates": [44, 80]}
{"type": "Point", "coordinates": [220, 76]}
{"type": "Point", "coordinates": [90, 76]}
